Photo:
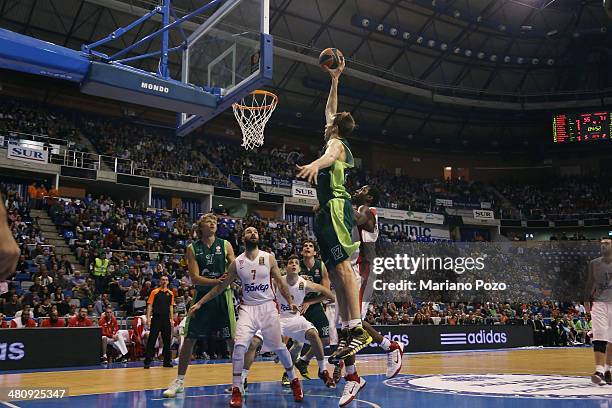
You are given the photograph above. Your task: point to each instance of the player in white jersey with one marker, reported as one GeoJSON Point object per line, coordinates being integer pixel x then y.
{"type": "Point", "coordinates": [293, 325]}
{"type": "Point", "coordinates": [258, 310]}
{"type": "Point", "coordinates": [366, 231]}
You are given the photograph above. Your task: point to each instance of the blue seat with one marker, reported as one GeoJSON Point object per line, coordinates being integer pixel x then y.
{"type": "Point", "coordinates": [105, 230]}
{"type": "Point", "coordinates": [68, 234]}
{"type": "Point", "coordinates": [33, 269]}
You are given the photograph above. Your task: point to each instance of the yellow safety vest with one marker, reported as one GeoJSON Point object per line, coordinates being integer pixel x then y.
{"type": "Point", "coordinates": [100, 267]}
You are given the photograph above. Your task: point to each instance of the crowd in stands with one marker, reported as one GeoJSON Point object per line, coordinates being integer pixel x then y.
{"type": "Point", "coordinates": [562, 198]}
{"type": "Point", "coordinates": [408, 193]}
{"type": "Point", "coordinates": [34, 119]}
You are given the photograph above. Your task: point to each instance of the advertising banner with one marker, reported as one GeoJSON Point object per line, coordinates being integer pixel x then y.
{"type": "Point", "coordinates": [49, 347]}
{"type": "Point", "coordinates": [448, 338]}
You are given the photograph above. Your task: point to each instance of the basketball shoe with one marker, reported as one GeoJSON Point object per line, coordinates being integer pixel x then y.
{"type": "Point", "coordinates": [177, 387]}
{"type": "Point", "coordinates": [598, 378]}
{"type": "Point", "coordinates": [358, 340]}
{"type": "Point", "coordinates": [302, 367]}
{"type": "Point", "coordinates": [329, 382]}
{"type": "Point", "coordinates": [394, 359]}
{"type": "Point", "coordinates": [343, 339]}
{"type": "Point", "coordinates": [296, 388]}
{"type": "Point", "coordinates": [236, 400]}
{"type": "Point", "coordinates": [353, 385]}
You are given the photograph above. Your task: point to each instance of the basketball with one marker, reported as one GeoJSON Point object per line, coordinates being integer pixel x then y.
{"type": "Point", "coordinates": [330, 58]}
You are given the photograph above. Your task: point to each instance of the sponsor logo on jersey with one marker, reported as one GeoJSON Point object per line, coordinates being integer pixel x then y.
{"type": "Point", "coordinates": [262, 261]}
{"type": "Point", "coordinates": [218, 250]}
{"type": "Point", "coordinates": [251, 287]}
{"type": "Point", "coordinates": [285, 308]}
{"type": "Point", "coordinates": [504, 385]}
{"type": "Point", "coordinates": [301, 286]}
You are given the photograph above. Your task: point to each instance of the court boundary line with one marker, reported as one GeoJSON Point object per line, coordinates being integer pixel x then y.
{"type": "Point", "coordinates": [208, 362]}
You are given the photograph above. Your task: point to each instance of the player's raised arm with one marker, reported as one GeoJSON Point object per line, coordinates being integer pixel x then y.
{"type": "Point", "coordinates": [194, 270]}
{"type": "Point", "coordinates": [332, 100]}
{"type": "Point", "coordinates": [217, 290]}
{"type": "Point", "coordinates": [280, 283]}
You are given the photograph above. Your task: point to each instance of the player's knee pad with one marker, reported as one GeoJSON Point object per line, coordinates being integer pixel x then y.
{"type": "Point", "coordinates": [239, 352]}
{"type": "Point", "coordinates": [600, 346]}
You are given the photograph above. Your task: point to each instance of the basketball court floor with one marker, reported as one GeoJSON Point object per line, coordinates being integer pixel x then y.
{"type": "Point", "coordinates": [557, 377]}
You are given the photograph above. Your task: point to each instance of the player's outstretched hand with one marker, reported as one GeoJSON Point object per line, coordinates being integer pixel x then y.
{"type": "Point", "coordinates": [308, 172]}
{"type": "Point", "coordinates": [294, 308]}
{"type": "Point", "coordinates": [305, 307]}
{"type": "Point", "coordinates": [196, 306]}
{"type": "Point", "coordinates": [335, 73]}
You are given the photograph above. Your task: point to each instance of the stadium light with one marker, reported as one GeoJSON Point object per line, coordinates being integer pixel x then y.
{"type": "Point", "coordinates": [493, 58]}
{"type": "Point", "coordinates": [431, 43]}
{"type": "Point", "coordinates": [443, 46]}
{"type": "Point", "coordinates": [393, 31]}
{"type": "Point", "coordinates": [468, 53]}
{"type": "Point", "coordinates": [380, 27]}
{"type": "Point", "coordinates": [420, 39]}
{"type": "Point", "coordinates": [406, 35]}
{"type": "Point", "coordinates": [457, 50]}
{"type": "Point", "coordinates": [480, 55]}
{"type": "Point", "coordinates": [507, 59]}
{"type": "Point", "coordinates": [550, 61]}
{"type": "Point", "coordinates": [535, 61]}
{"type": "Point", "coordinates": [365, 22]}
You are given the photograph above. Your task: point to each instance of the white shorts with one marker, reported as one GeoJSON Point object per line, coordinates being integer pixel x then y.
{"type": "Point", "coordinates": [293, 327]}
{"type": "Point", "coordinates": [264, 318]}
{"type": "Point", "coordinates": [601, 318]}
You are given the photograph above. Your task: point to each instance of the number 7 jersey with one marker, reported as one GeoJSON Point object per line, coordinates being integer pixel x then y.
{"type": "Point", "coordinates": [256, 278]}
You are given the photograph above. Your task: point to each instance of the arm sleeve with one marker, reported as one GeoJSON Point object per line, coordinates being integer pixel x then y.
{"type": "Point", "coordinates": [152, 297]}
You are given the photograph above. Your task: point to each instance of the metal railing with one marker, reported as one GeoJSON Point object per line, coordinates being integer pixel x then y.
{"type": "Point", "coordinates": [12, 135]}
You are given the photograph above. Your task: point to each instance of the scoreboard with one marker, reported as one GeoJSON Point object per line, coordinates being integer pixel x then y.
{"type": "Point", "coordinates": [582, 127]}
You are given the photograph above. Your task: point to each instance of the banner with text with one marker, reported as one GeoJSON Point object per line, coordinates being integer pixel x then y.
{"type": "Point", "coordinates": [304, 192]}
{"type": "Point", "coordinates": [415, 231]}
{"type": "Point", "coordinates": [420, 338]}
{"type": "Point", "coordinates": [19, 152]}
{"type": "Point", "coordinates": [483, 214]}
{"type": "Point", "coordinates": [256, 178]}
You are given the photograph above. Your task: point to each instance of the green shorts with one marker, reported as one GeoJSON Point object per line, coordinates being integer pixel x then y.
{"type": "Point", "coordinates": [316, 315]}
{"type": "Point", "coordinates": [215, 316]}
{"type": "Point", "coordinates": [333, 226]}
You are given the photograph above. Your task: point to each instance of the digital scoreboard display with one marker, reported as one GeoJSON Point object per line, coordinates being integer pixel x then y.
{"type": "Point", "coordinates": [582, 127]}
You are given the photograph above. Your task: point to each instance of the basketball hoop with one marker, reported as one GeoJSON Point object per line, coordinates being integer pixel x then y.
{"type": "Point", "coordinates": [252, 114]}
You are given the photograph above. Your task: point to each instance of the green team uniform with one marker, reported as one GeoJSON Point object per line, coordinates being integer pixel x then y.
{"type": "Point", "coordinates": [218, 314]}
{"type": "Point", "coordinates": [315, 313]}
{"type": "Point", "coordinates": [335, 219]}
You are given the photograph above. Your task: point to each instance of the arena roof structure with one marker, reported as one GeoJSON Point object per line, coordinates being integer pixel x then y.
{"type": "Point", "coordinates": [448, 71]}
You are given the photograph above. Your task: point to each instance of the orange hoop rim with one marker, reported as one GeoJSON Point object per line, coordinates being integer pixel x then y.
{"type": "Point", "coordinates": [271, 105]}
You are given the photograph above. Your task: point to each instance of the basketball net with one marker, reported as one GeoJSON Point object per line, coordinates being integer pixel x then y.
{"type": "Point", "coordinates": [252, 114]}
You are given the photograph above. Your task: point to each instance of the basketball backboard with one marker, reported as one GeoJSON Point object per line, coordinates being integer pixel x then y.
{"type": "Point", "coordinates": [229, 55]}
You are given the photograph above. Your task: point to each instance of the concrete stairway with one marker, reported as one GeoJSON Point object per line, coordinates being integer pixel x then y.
{"type": "Point", "coordinates": [52, 236]}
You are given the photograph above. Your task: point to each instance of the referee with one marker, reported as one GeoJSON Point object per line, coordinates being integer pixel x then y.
{"type": "Point", "coordinates": [159, 319]}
